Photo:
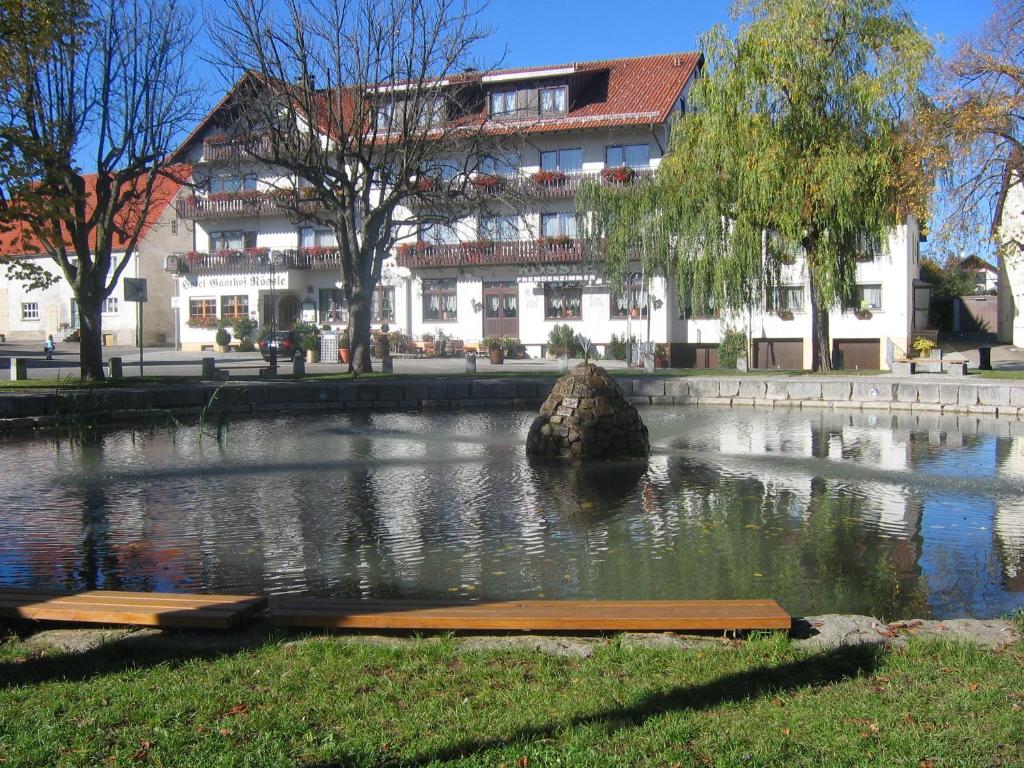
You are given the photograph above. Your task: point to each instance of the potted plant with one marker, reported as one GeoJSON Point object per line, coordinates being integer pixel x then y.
{"type": "Point", "coordinates": [923, 346]}
{"type": "Point", "coordinates": [661, 356]}
{"type": "Point", "coordinates": [785, 314]}
{"type": "Point", "coordinates": [222, 340]}
{"type": "Point", "coordinates": [862, 313]}
{"type": "Point", "coordinates": [310, 343]}
{"type": "Point", "coordinates": [511, 346]}
{"type": "Point", "coordinates": [495, 351]}
{"type": "Point", "coordinates": [344, 353]}
{"type": "Point", "coordinates": [548, 178]}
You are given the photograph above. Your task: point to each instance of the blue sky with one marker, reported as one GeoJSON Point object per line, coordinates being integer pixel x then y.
{"type": "Point", "coordinates": [556, 31]}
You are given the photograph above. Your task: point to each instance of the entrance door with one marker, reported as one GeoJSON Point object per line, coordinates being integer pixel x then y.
{"type": "Point", "coordinates": [290, 309]}
{"type": "Point", "coordinates": [501, 309]}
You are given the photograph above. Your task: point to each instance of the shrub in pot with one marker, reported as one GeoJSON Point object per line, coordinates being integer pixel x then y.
{"type": "Point", "coordinates": [222, 339]}
{"type": "Point", "coordinates": [344, 354]}
{"type": "Point", "coordinates": [310, 343]}
{"type": "Point", "coordinates": [732, 347]}
{"type": "Point", "coordinates": [495, 351]}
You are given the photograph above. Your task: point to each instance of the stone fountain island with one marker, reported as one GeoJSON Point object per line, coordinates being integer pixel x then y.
{"type": "Point", "coordinates": [587, 416]}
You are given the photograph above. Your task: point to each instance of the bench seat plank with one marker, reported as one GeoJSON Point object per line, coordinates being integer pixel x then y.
{"type": "Point", "coordinates": [537, 615]}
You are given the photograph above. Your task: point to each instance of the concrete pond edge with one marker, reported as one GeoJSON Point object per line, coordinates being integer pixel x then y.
{"type": "Point", "coordinates": [28, 410]}
{"type": "Point", "coordinates": [811, 633]}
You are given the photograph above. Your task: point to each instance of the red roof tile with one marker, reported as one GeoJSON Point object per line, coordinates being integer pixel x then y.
{"type": "Point", "coordinates": [19, 239]}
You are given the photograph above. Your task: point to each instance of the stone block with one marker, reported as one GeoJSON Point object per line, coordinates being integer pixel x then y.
{"type": "Point", "coordinates": [528, 388]}
{"type": "Point", "coordinates": [494, 389]}
{"type": "Point", "coordinates": [815, 403]}
{"type": "Point", "coordinates": [435, 405]}
{"type": "Point", "coordinates": [662, 400]}
{"type": "Point", "coordinates": [417, 391]}
{"type": "Point", "coordinates": [906, 393]}
{"type": "Point", "coordinates": [927, 407]}
{"type": "Point", "coordinates": [763, 402]}
{"type": "Point", "coordinates": [367, 391]}
{"type": "Point", "coordinates": [874, 392]}
{"type": "Point", "coordinates": [836, 390]}
{"type": "Point", "coordinates": [677, 388]}
{"type": "Point", "coordinates": [928, 393]}
{"type": "Point", "coordinates": [438, 390]}
{"type": "Point", "coordinates": [804, 390]}
{"type": "Point", "coordinates": [729, 387]}
{"type": "Point", "coordinates": [854, 405]}
{"type": "Point", "coordinates": [899, 405]}
{"type": "Point", "coordinates": [637, 400]}
{"type": "Point", "coordinates": [967, 395]}
{"type": "Point", "coordinates": [686, 400]}
{"type": "Point", "coordinates": [716, 401]}
{"type": "Point", "coordinates": [704, 388]}
{"type": "Point", "coordinates": [747, 402]}
{"type": "Point", "coordinates": [648, 387]}
{"type": "Point", "coordinates": [777, 390]}
{"type": "Point", "coordinates": [984, 410]}
{"type": "Point", "coordinates": [753, 388]}
{"type": "Point", "coordinates": [994, 395]}
{"type": "Point", "coordinates": [458, 389]}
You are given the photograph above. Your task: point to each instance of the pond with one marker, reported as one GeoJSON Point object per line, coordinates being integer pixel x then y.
{"type": "Point", "coordinates": [827, 512]}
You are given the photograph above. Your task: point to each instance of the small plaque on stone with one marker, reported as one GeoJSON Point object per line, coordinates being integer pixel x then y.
{"type": "Point", "coordinates": [571, 402]}
{"type": "Point", "coordinates": [562, 430]}
{"type": "Point", "coordinates": [565, 410]}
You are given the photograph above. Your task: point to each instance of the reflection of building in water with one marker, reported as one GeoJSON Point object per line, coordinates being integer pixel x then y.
{"type": "Point", "coordinates": [1008, 526]}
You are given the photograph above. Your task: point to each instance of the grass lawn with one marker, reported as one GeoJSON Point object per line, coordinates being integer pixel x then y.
{"type": "Point", "coordinates": [328, 701]}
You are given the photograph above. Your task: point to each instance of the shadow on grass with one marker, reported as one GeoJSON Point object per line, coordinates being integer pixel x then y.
{"type": "Point", "coordinates": [825, 669]}
{"type": "Point", "coordinates": [132, 651]}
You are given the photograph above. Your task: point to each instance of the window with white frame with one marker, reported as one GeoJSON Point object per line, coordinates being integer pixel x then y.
{"type": "Point", "coordinates": [500, 228]}
{"type": "Point", "coordinates": [786, 298]}
{"type": "Point", "coordinates": [570, 159]}
{"type": "Point", "coordinates": [631, 301]}
{"type": "Point", "coordinates": [501, 164]}
{"type": "Point", "coordinates": [440, 300]}
{"type": "Point", "coordinates": [110, 306]}
{"type": "Point", "coordinates": [316, 237]}
{"type": "Point", "coordinates": [439, 234]}
{"type": "Point", "coordinates": [503, 103]}
{"type": "Point", "coordinates": [202, 312]}
{"type": "Point", "coordinates": [220, 184]}
{"type": "Point", "coordinates": [236, 240]}
{"type": "Point", "coordinates": [554, 101]}
{"type": "Point", "coordinates": [30, 310]}
{"type": "Point", "coordinates": [234, 306]}
{"type": "Point", "coordinates": [382, 306]}
{"type": "Point", "coordinates": [558, 225]}
{"type": "Point", "coordinates": [866, 297]}
{"type": "Point", "coordinates": [563, 301]}
{"type": "Point", "coordinates": [630, 155]}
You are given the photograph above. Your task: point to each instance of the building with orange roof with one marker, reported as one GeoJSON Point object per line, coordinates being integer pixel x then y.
{"type": "Point", "coordinates": [32, 315]}
{"type": "Point", "coordinates": [504, 268]}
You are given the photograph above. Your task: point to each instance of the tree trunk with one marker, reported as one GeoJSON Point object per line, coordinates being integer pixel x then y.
{"type": "Point", "coordinates": [821, 343]}
{"type": "Point", "coordinates": [359, 328]}
{"type": "Point", "coordinates": [90, 348]}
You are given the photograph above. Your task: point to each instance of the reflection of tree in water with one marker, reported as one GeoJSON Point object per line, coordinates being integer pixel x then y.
{"type": "Point", "coordinates": [735, 537]}
{"type": "Point", "coordinates": [98, 563]}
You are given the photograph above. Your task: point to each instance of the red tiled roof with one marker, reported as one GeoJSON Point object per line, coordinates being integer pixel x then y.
{"type": "Point", "coordinates": [19, 240]}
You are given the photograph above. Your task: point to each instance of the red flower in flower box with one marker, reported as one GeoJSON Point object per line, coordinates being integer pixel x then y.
{"type": "Point", "coordinates": [549, 178]}
{"type": "Point", "coordinates": [619, 175]}
{"type": "Point", "coordinates": [555, 241]}
{"type": "Point", "coordinates": [426, 185]}
{"type": "Point", "coordinates": [487, 182]}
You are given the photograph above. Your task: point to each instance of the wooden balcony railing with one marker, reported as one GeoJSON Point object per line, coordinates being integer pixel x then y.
{"type": "Point", "coordinates": [252, 260]}
{"type": "Point", "coordinates": [487, 254]}
{"type": "Point", "coordinates": [231, 204]}
{"type": "Point", "coordinates": [220, 149]}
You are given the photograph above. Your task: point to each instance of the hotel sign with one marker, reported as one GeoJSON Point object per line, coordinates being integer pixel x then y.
{"type": "Point", "coordinates": [208, 282]}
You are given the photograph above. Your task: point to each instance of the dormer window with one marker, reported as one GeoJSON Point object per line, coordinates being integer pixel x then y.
{"type": "Point", "coordinates": [503, 103]}
{"type": "Point", "coordinates": [553, 101]}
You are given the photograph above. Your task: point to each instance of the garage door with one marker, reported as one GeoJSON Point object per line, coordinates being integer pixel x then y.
{"type": "Point", "coordinates": [857, 354]}
{"type": "Point", "coordinates": [693, 355]}
{"type": "Point", "coordinates": [787, 354]}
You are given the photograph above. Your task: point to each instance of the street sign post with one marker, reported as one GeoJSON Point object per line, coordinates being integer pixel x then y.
{"type": "Point", "coordinates": [135, 290]}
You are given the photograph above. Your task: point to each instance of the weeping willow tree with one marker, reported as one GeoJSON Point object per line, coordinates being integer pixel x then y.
{"type": "Point", "coordinates": [795, 144]}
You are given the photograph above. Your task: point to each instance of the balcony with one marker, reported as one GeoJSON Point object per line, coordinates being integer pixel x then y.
{"type": "Point", "coordinates": [224, 148]}
{"type": "Point", "coordinates": [490, 254]}
{"type": "Point", "coordinates": [252, 261]}
{"type": "Point", "coordinates": [550, 185]}
{"type": "Point", "coordinates": [243, 203]}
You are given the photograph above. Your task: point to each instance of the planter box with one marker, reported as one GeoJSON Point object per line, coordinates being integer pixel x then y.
{"type": "Point", "coordinates": [903, 367]}
{"type": "Point", "coordinates": [956, 367]}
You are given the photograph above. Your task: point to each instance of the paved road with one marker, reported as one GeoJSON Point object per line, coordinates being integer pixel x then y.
{"type": "Point", "coordinates": [168, 362]}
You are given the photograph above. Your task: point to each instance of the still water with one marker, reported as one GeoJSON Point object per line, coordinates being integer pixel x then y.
{"type": "Point", "coordinates": [826, 512]}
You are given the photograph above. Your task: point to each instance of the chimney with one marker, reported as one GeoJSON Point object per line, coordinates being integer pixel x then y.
{"type": "Point", "coordinates": [306, 82]}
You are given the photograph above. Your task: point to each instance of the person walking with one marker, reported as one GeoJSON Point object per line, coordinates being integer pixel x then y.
{"type": "Point", "coordinates": [49, 346]}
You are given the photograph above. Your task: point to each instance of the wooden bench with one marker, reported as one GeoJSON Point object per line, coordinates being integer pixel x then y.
{"type": "Point", "coordinates": [532, 615]}
{"type": "Point", "coordinates": [148, 609]}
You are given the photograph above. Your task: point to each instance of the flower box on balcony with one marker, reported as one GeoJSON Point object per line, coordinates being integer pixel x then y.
{"type": "Point", "coordinates": [427, 185]}
{"type": "Point", "coordinates": [207, 322]}
{"type": "Point", "coordinates": [194, 258]}
{"type": "Point", "coordinates": [487, 183]}
{"type": "Point", "coordinates": [549, 178]}
{"type": "Point", "coordinates": [555, 241]}
{"type": "Point", "coordinates": [250, 195]}
{"type": "Point", "coordinates": [619, 175]}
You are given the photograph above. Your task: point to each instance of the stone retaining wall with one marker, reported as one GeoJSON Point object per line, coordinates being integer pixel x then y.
{"type": "Point", "coordinates": [29, 410]}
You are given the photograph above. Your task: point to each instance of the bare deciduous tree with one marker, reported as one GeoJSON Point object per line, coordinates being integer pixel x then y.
{"type": "Point", "coordinates": [111, 93]}
{"type": "Point", "coordinates": [376, 106]}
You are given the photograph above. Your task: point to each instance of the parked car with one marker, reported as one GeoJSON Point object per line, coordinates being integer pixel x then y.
{"type": "Point", "coordinates": [285, 342]}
